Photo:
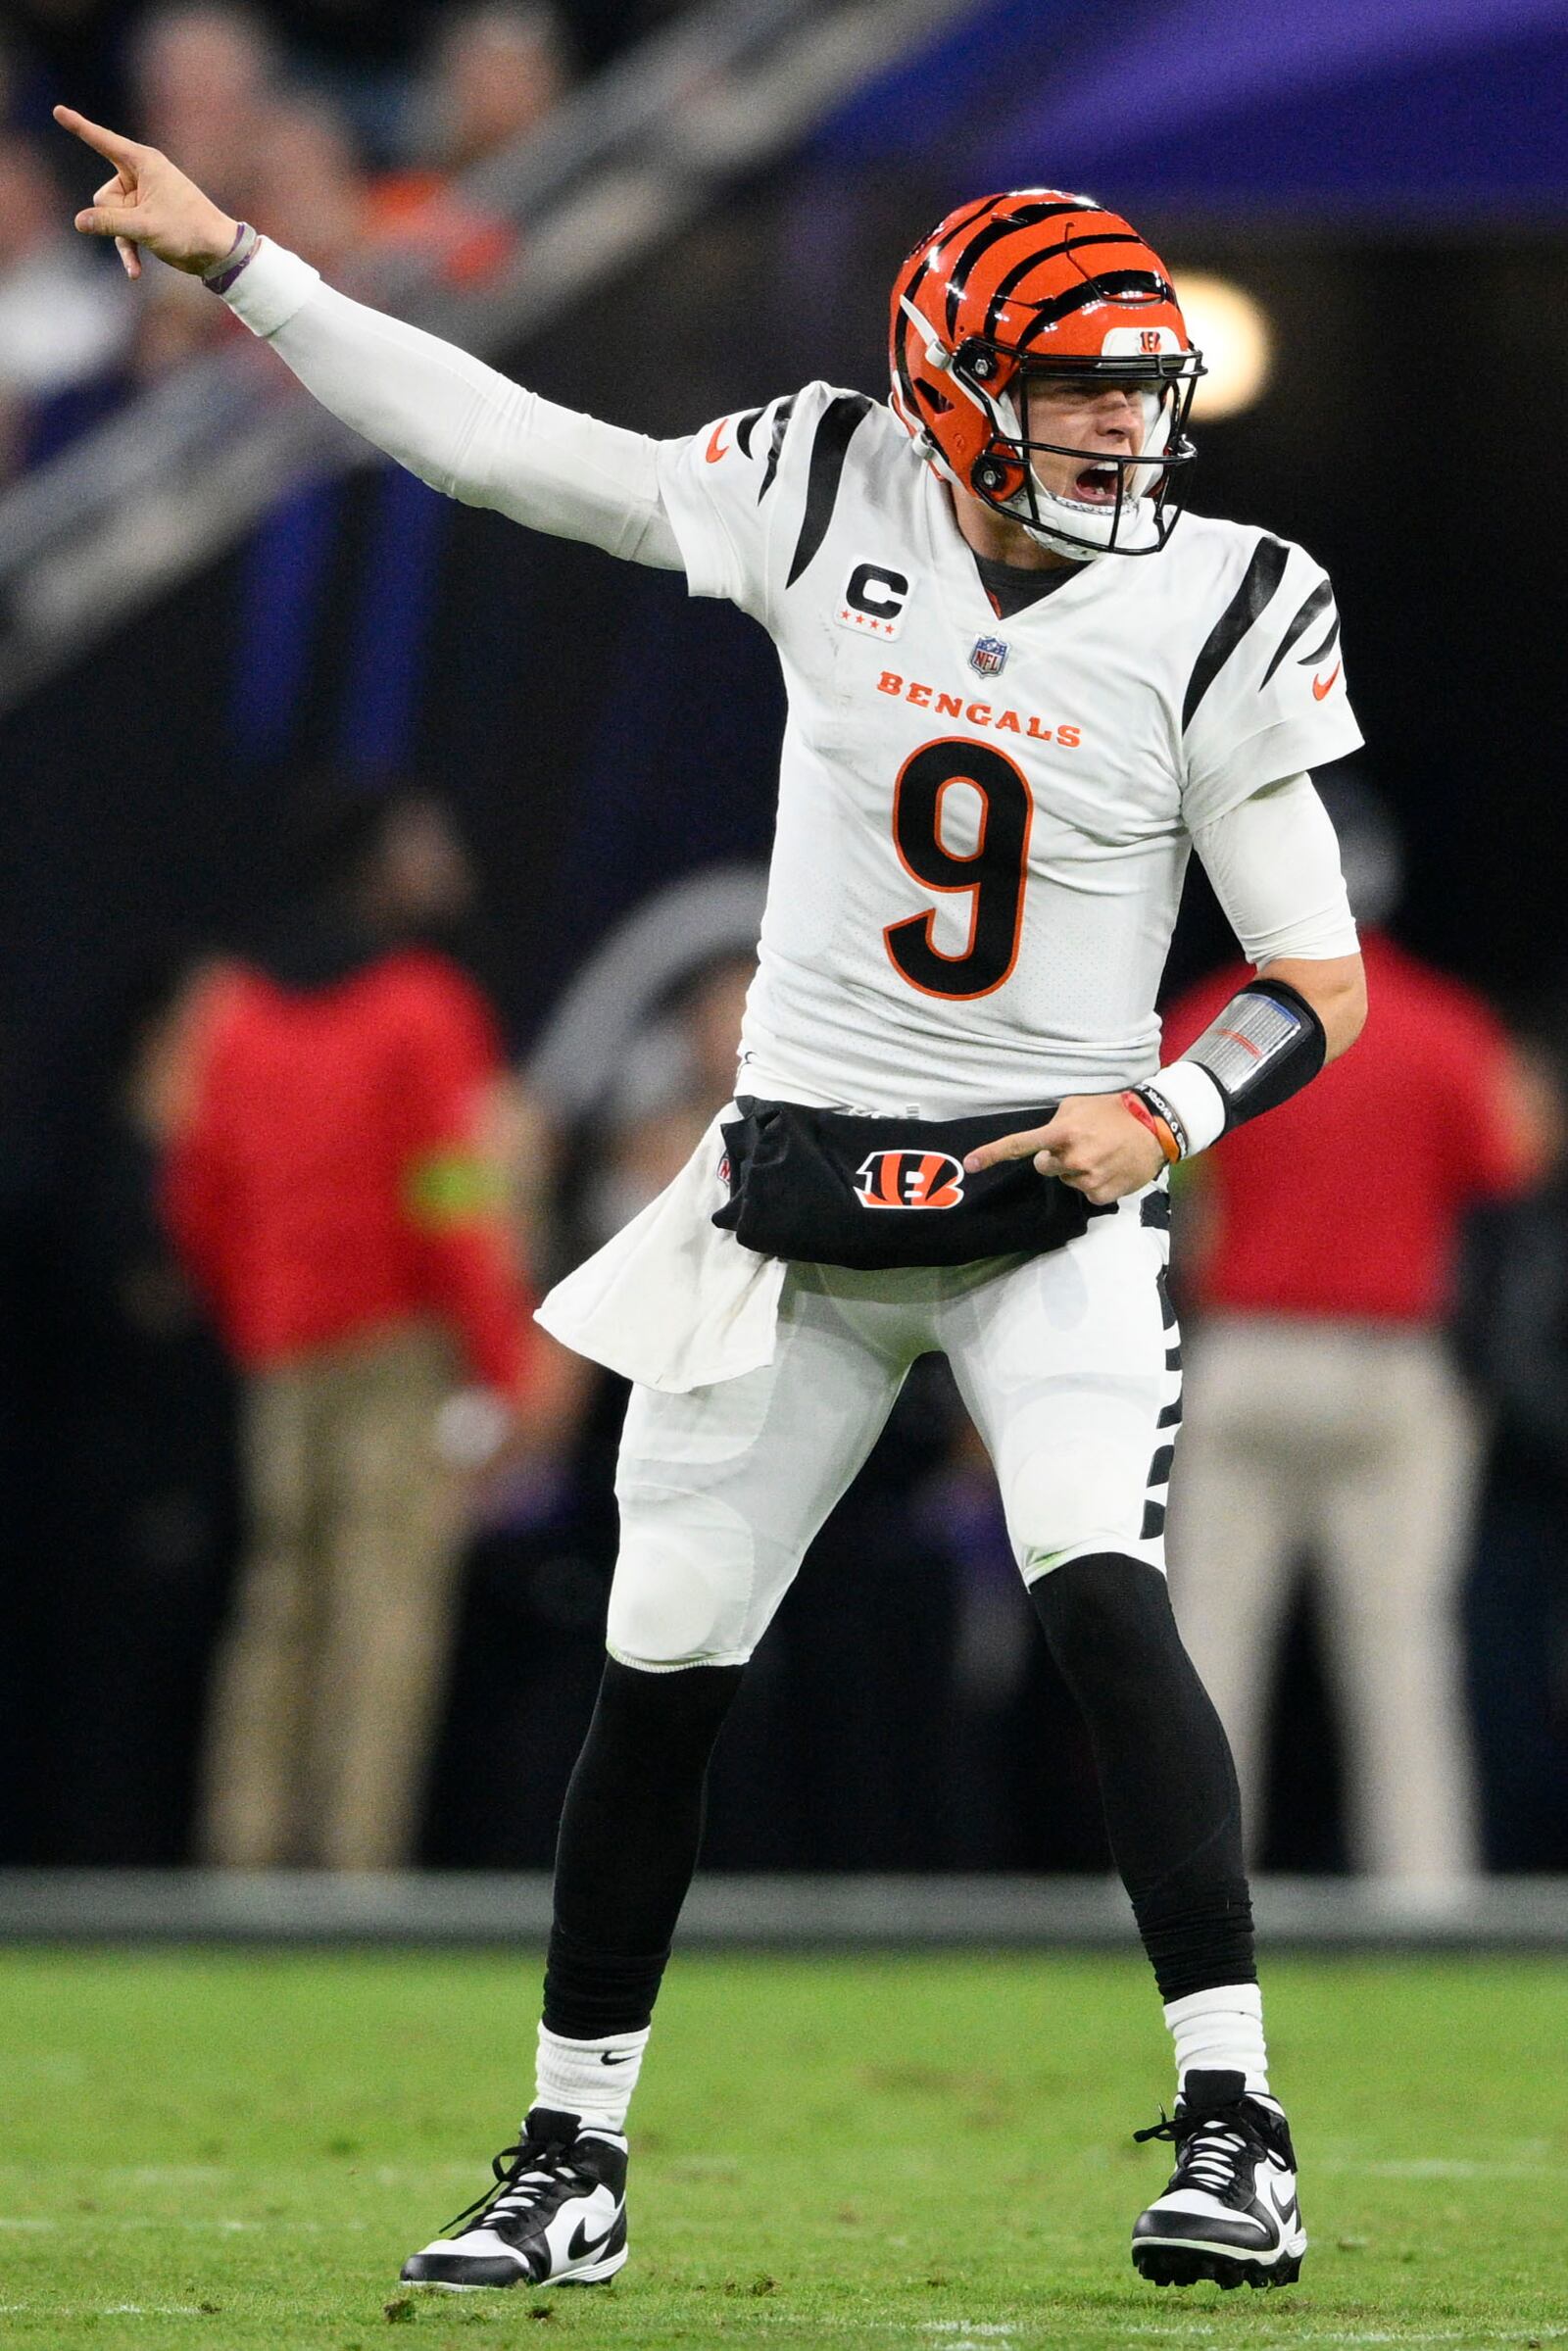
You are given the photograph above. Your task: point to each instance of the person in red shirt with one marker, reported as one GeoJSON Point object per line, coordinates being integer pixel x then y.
{"type": "Point", "coordinates": [334, 1191]}
{"type": "Point", "coordinates": [1324, 1419]}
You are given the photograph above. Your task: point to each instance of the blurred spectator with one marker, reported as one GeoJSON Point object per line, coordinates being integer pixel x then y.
{"type": "Point", "coordinates": [203, 75]}
{"type": "Point", "coordinates": [63, 318]}
{"type": "Point", "coordinates": [336, 1193]}
{"type": "Point", "coordinates": [494, 74]}
{"type": "Point", "coordinates": [304, 183]}
{"type": "Point", "coordinates": [1323, 1421]}
{"type": "Point", "coordinates": [1512, 1329]}
{"type": "Point", "coordinates": [307, 186]}
{"type": "Point", "coordinates": [273, 131]}
{"type": "Point", "coordinates": [205, 83]}
{"type": "Point", "coordinates": [497, 70]}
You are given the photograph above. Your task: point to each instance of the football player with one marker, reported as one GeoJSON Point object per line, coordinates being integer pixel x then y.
{"type": "Point", "coordinates": [1019, 696]}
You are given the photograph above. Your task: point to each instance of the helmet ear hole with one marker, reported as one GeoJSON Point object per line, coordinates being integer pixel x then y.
{"type": "Point", "coordinates": [934, 398]}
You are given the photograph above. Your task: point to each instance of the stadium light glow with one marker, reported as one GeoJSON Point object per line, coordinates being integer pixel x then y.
{"type": "Point", "coordinates": [1232, 331]}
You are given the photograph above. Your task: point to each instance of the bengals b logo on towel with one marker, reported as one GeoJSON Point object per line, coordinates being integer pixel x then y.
{"type": "Point", "coordinates": [909, 1180]}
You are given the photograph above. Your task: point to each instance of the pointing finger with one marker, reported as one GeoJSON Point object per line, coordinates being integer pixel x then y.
{"type": "Point", "coordinates": [119, 150]}
{"type": "Point", "coordinates": [1007, 1147]}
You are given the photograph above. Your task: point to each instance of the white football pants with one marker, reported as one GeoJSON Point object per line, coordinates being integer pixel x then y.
{"type": "Point", "coordinates": [1352, 1445]}
{"type": "Point", "coordinates": [1068, 1363]}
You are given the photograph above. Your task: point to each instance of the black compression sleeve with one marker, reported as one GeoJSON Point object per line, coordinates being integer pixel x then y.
{"type": "Point", "coordinates": [1166, 1778]}
{"type": "Point", "coordinates": [629, 1836]}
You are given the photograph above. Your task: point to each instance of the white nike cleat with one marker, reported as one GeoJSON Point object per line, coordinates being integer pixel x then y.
{"type": "Point", "coordinates": [1229, 2211]}
{"type": "Point", "coordinates": [556, 2215]}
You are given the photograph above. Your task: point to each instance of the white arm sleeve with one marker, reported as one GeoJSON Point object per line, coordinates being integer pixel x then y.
{"type": "Point", "coordinates": [1274, 861]}
{"type": "Point", "coordinates": [457, 424]}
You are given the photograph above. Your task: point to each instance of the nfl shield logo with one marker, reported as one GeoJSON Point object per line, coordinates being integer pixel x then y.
{"type": "Point", "coordinates": [988, 657]}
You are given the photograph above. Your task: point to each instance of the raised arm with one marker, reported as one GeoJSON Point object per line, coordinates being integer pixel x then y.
{"type": "Point", "coordinates": [457, 424]}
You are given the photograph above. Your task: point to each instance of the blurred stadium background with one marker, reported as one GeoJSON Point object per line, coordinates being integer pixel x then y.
{"type": "Point", "coordinates": [212, 603]}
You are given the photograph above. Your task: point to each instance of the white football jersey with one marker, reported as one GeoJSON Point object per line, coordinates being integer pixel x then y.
{"type": "Point", "coordinates": [983, 824]}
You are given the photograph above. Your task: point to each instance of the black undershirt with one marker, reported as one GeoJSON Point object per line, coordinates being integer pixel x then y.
{"type": "Point", "coordinates": [1012, 588]}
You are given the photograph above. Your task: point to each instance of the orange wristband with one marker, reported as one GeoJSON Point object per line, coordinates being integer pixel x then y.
{"type": "Point", "coordinates": [1156, 1126]}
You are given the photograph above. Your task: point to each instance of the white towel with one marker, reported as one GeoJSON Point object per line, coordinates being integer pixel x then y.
{"type": "Point", "coordinates": [672, 1300]}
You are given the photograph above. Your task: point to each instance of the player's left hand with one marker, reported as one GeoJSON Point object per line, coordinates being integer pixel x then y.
{"type": "Point", "coordinates": [1093, 1144]}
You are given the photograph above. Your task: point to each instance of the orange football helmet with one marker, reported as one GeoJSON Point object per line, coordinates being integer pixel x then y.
{"type": "Point", "coordinates": [1041, 282]}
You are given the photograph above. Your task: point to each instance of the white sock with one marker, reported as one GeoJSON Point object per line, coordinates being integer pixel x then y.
{"type": "Point", "coordinates": [591, 2078]}
{"type": "Point", "coordinates": [1220, 2030]}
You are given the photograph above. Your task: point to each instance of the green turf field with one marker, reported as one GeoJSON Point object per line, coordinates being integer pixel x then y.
{"type": "Point", "coordinates": [223, 2150]}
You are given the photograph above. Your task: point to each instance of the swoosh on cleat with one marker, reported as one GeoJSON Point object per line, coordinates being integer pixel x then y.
{"type": "Point", "coordinates": [581, 2244]}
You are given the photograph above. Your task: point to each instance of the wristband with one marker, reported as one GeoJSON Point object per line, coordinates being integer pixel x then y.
{"type": "Point", "coordinates": [1190, 1100]}
{"type": "Point", "coordinates": [1141, 1102]}
{"type": "Point", "coordinates": [223, 273]}
{"type": "Point", "coordinates": [265, 292]}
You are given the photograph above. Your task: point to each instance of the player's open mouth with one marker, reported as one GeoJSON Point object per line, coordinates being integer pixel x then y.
{"type": "Point", "coordinates": [1097, 485]}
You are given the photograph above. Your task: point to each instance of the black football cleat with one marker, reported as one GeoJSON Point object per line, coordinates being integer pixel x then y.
{"type": "Point", "coordinates": [556, 2215]}
{"type": "Point", "coordinates": [1229, 2211]}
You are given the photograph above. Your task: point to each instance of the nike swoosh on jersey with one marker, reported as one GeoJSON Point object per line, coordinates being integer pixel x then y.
{"type": "Point", "coordinates": [716, 448]}
{"type": "Point", "coordinates": [1323, 685]}
{"type": "Point", "coordinates": [582, 2243]}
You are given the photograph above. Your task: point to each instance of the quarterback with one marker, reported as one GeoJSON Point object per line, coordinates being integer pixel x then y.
{"type": "Point", "coordinates": [1019, 697]}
